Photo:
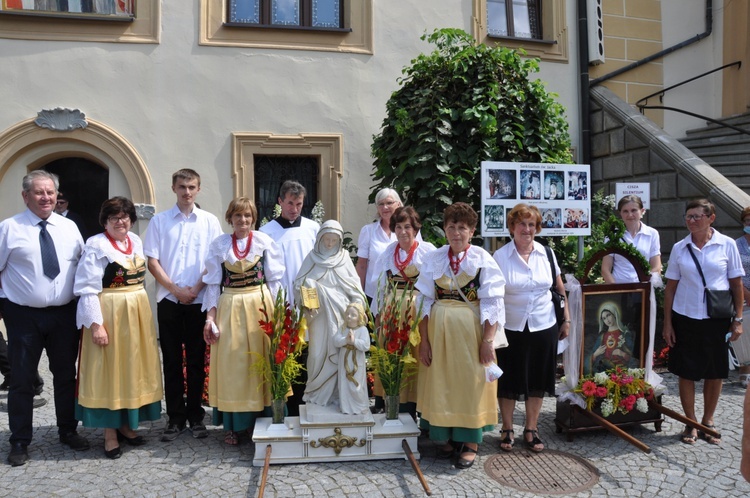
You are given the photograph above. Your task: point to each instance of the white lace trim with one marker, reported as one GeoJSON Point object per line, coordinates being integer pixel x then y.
{"type": "Point", "coordinates": [89, 311]}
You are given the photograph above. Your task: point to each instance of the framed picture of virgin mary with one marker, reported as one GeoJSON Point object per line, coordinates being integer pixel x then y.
{"type": "Point", "coordinates": [615, 326]}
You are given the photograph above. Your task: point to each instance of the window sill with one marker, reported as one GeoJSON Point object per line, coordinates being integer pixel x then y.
{"type": "Point", "coordinates": [69, 16]}
{"type": "Point", "coordinates": [522, 40]}
{"type": "Point", "coordinates": [243, 25]}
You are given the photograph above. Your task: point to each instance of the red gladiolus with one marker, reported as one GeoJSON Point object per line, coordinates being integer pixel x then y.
{"type": "Point", "coordinates": [280, 356]}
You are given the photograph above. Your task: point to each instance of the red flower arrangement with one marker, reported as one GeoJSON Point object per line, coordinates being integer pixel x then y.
{"type": "Point", "coordinates": [285, 328]}
{"type": "Point", "coordinates": [618, 389]}
{"type": "Point", "coordinates": [396, 329]}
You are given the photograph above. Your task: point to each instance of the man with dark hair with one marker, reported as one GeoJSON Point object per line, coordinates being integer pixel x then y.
{"type": "Point", "coordinates": [39, 253]}
{"type": "Point", "coordinates": [63, 209]}
{"type": "Point", "coordinates": [176, 244]}
{"type": "Point", "coordinates": [295, 235]}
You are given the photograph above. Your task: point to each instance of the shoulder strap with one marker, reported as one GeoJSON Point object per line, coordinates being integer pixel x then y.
{"type": "Point", "coordinates": [697, 265]}
{"type": "Point", "coordinates": [551, 264]}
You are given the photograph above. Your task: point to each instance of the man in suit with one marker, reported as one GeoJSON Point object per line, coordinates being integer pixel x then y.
{"type": "Point", "coordinates": [39, 253]}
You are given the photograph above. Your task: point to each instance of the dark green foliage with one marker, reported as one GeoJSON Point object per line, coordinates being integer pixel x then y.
{"type": "Point", "coordinates": [458, 106]}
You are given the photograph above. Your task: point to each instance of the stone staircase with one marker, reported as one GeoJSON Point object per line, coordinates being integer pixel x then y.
{"type": "Point", "coordinates": [725, 149]}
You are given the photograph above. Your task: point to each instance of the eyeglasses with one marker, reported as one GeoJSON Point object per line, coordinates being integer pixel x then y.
{"type": "Point", "coordinates": [386, 203]}
{"type": "Point", "coordinates": [694, 217]}
{"type": "Point", "coordinates": [114, 219]}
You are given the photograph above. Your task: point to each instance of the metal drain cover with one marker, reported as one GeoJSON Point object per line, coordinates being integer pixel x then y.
{"type": "Point", "coordinates": [550, 472]}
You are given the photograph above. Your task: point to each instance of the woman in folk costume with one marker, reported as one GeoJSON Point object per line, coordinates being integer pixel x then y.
{"type": "Point", "coordinates": [397, 268]}
{"type": "Point", "coordinates": [327, 271]}
{"type": "Point", "coordinates": [243, 270]}
{"type": "Point", "coordinates": [462, 293]}
{"type": "Point", "coordinates": [119, 380]}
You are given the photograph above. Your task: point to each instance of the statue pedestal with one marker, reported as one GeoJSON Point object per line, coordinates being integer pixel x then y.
{"type": "Point", "coordinates": [326, 435]}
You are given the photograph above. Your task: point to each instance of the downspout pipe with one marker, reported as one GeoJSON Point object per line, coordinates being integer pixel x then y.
{"type": "Point", "coordinates": [583, 75]}
{"type": "Point", "coordinates": [709, 28]}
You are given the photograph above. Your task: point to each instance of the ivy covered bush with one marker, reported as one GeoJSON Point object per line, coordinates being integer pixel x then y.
{"type": "Point", "coordinates": [456, 107]}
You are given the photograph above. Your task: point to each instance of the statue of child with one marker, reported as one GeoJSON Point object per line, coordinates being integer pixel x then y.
{"type": "Point", "coordinates": [354, 340]}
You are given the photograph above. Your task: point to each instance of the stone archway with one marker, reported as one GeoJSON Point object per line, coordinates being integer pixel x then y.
{"type": "Point", "coordinates": [27, 146]}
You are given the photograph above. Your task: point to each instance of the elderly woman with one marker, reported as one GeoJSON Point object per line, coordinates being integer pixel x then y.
{"type": "Point", "coordinates": [462, 303]}
{"type": "Point", "coordinates": [119, 380]}
{"type": "Point", "coordinates": [530, 360]}
{"type": "Point", "coordinates": [328, 272]}
{"type": "Point", "coordinates": [743, 246]}
{"type": "Point", "coordinates": [243, 272]}
{"type": "Point", "coordinates": [617, 269]}
{"type": "Point", "coordinates": [374, 238]}
{"type": "Point", "coordinates": [398, 267]}
{"type": "Point", "coordinates": [698, 345]}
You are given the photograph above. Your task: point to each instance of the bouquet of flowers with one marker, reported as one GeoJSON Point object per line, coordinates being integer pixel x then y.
{"type": "Point", "coordinates": [285, 327]}
{"type": "Point", "coordinates": [396, 329]}
{"type": "Point", "coordinates": [618, 389]}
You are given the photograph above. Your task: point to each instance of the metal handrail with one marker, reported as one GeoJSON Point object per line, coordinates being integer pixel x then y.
{"type": "Point", "coordinates": [641, 105]}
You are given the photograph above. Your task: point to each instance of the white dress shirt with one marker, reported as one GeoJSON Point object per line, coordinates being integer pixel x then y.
{"type": "Point", "coordinates": [719, 260]}
{"type": "Point", "coordinates": [527, 284]}
{"type": "Point", "coordinates": [181, 243]}
{"type": "Point", "coordinates": [646, 242]}
{"type": "Point", "coordinates": [22, 278]}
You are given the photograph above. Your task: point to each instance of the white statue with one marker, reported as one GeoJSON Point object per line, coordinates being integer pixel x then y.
{"type": "Point", "coordinates": [353, 340]}
{"type": "Point", "coordinates": [327, 276]}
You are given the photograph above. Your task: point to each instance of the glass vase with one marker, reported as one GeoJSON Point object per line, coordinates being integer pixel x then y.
{"type": "Point", "coordinates": [277, 410]}
{"type": "Point", "coordinates": [391, 406]}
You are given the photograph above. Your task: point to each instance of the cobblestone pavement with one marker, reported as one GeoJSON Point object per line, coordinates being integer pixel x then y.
{"type": "Point", "coordinates": [191, 467]}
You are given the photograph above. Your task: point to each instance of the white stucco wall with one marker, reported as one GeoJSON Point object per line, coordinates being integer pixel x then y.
{"type": "Point", "coordinates": [681, 21]}
{"type": "Point", "coordinates": [177, 103]}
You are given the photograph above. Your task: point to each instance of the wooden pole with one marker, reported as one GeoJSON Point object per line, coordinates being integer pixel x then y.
{"type": "Point", "coordinates": [264, 476]}
{"type": "Point", "coordinates": [682, 418]}
{"type": "Point", "coordinates": [415, 466]}
{"type": "Point", "coordinates": [613, 428]}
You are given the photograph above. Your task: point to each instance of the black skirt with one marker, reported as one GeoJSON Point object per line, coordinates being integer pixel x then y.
{"type": "Point", "coordinates": [701, 350]}
{"type": "Point", "coordinates": [529, 364]}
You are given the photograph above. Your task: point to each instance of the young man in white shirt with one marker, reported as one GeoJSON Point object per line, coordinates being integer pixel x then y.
{"type": "Point", "coordinates": [176, 244]}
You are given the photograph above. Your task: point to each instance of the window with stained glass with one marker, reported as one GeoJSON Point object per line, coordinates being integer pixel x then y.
{"type": "Point", "coordinates": [514, 18]}
{"type": "Point", "coordinates": [287, 13]}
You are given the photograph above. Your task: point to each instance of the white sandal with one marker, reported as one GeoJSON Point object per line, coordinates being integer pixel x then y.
{"type": "Point", "coordinates": [744, 379]}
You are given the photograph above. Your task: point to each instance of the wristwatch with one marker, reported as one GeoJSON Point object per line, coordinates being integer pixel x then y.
{"type": "Point", "coordinates": [737, 319]}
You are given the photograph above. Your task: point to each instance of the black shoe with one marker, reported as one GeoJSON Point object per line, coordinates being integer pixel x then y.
{"type": "Point", "coordinates": [114, 453]}
{"type": "Point", "coordinates": [199, 430]}
{"type": "Point", "coordinates": [172, 431]}
{"type": "Point", "coordinates": [38, 391]}
{"type": "Point", "coordinates": [5, 385]}
{"type": "Point", "coordinates": [19, 454]}
{"type": "Point", "coordinates": [463, 463]}
{"type": "Point", "coordinates": [132, 441]}
{"type": "Point", "coordinates": [38, 402]}
{"type": "Point", "coordinates": [75, 441]}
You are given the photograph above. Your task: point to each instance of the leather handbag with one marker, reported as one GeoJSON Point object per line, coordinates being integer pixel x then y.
{"type": "Point", "coordinates": [719, 303]}
{"type": "Point", "coordinates": [558, 300]}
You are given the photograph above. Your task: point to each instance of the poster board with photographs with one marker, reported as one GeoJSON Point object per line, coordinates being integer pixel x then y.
{"type": "Point", "coordinates": [561, 192]}
{"type": "Point", "coordinates": [615, 326]}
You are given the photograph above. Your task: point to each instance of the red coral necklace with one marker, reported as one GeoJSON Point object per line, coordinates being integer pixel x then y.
{"type": "Point", "coordinates": [128, 244]}
{"type": "Point", "coordinates": [456, 262]}
{"type": "Point", "coordinates": [236, 249]}
{"type": "Point", "coordinates": [401, 265]}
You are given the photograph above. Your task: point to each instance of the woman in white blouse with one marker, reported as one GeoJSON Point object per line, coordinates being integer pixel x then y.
{"type": "Point", "coordinates": [119, 380]}
{"type": "Point", "coordinates": [398, 267]}
{"type": "Point", "coordinates": [374, 238]}
{"type": "Point", "coordinates": [530, 360]}
{"type": "Point", "coordinates": [462, 296]}
{"type": "Point", "coordinates": [243, 270]}
{"type": "Point", "coordinates": [697, 342]}
{"type": "Point", "coordinates": [617, 269]}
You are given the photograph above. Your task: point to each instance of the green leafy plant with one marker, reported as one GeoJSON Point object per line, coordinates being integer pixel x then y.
{"type": "Point", "coordinates": [458, 106]}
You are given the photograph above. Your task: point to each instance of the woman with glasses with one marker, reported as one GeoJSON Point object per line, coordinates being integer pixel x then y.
{"type": "Point", "coordinates": [374, 238]}
{"type": "Point", "coordinates": [617, 269]}
{"type": "Point", "coordinates": [698, 342]}
{"type": "Point", "coordinates": [119, 380]}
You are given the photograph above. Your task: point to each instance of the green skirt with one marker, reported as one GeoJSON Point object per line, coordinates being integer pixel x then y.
{"type": "Point", "coordinates": [457, 434]}
{"type": "Point", "coordinates": [102, 418]}
{"type": "Point", "coordinates": [239, 421]}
